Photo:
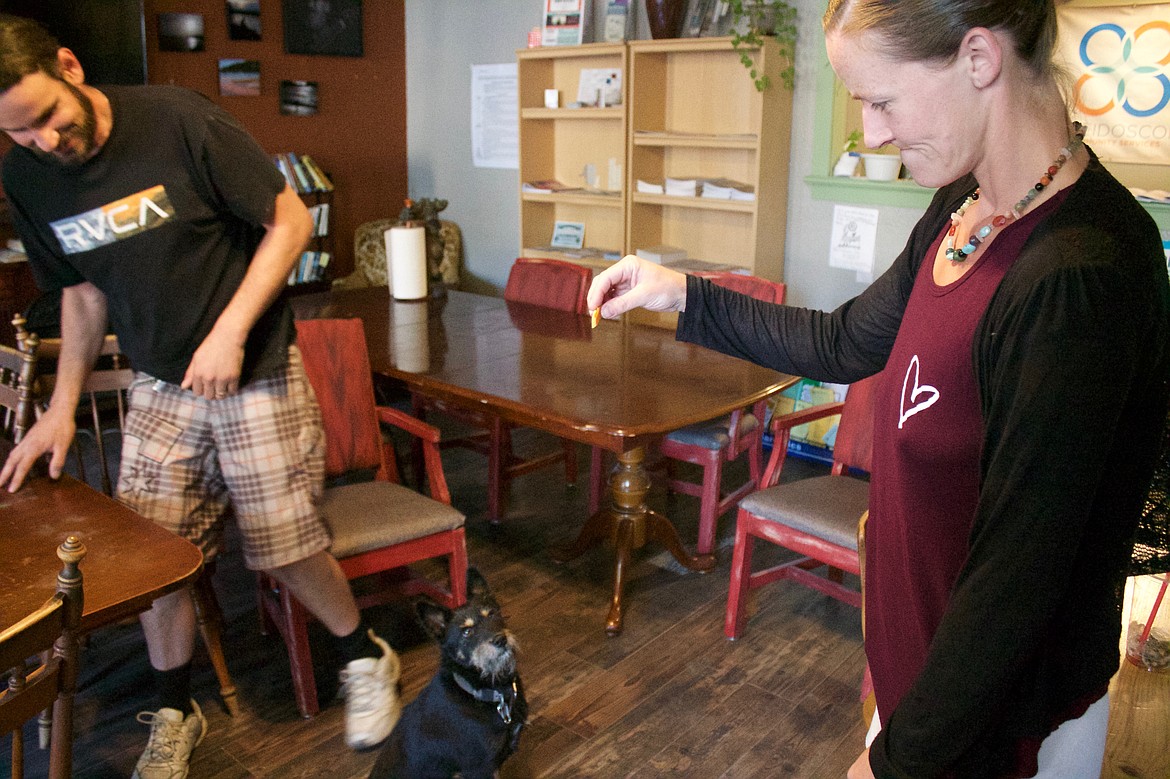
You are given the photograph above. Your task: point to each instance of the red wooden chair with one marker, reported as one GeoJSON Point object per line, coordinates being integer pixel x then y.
{"type": "Point", "coordinates": [816, 517]}
{"type": "Point", "coordinates": [712, 443]}
{"type": "Point", "coordinates": [378, 526]}
{"type": "Point", "coordinates": [552, 284]}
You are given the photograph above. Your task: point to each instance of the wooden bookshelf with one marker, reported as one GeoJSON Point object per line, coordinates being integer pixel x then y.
{"type": "Point", "coordinates": [557, 144]}
{"type": "Point", "coordinates": [696, 114]}
{"type": "Point", "coordinates": [689, 110]}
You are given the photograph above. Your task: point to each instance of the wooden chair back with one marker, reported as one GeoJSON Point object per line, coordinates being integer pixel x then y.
{"type": "Point", "coordinates": [550, 283]}
{"type": "Point", "coordinates": [17, 377]}
{"type": "Point", "coordinates": [853, 446]}
{"type": "Point", "coordinates": [49, 634]}
{"type": "Point", "coordinates": [338, 367]}
{"type": "Point", "coordinates": [759, 288]}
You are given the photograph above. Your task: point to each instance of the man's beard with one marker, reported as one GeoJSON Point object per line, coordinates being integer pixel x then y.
{"type": "Point", "coordinates": [75, 143]}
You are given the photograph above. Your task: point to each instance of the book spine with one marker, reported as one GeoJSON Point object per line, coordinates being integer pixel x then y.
{"type": "Point", "coordinates": [282, 166]}
{"type": "Point", "coordinates": [303, 185]}
{"type": "Point", "coordinates": [319, 173]}
{"type": "Point", "coordinates": [317, 184]}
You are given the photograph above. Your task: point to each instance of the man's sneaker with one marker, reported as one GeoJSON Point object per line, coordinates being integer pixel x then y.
{"type": "Point", "coordinates": [370, 685]}
{"type": "Point", "coordinates": [172, 739]}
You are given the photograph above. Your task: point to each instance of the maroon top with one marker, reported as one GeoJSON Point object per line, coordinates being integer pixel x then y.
{"type": "Point", "coordinates": [927, 436]}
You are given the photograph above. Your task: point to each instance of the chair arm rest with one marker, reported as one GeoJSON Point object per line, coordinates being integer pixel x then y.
{"type": "Point", "coordinates": [429, 435]}
{"type": "Point", "coordinates": [794, 418]}
{"type": "Point", "coordinates": [411, 424]}
{"type": "Point", "coordinates": [781, 426]}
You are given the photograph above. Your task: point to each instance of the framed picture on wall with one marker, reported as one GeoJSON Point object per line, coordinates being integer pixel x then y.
{"type": "Point", "coordinates": [323, 27]}
{"type": "Point", "coordinates": [243, 20]}
{"type": "Point", "coordinates": [239, 78]}
{"type": "Point", "coordinates": [298, 98]}
{"type": "Point", "coordinates": [180, 32]}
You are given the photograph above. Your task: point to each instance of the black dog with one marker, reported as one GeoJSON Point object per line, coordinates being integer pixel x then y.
{"type": "Point", "coordinates": [468, 719]}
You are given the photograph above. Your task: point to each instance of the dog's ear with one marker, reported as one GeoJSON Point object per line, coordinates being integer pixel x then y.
{"type": "Point", "coordinates": [434, 617]}
{"type": "Point", "coordinates": [477, 586]}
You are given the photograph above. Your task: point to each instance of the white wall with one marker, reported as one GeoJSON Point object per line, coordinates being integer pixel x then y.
{"type": "Point", "coordinates": [444, 38]}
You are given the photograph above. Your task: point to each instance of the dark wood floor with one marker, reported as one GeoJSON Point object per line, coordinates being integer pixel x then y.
{"type": "Point", "coordinates": [669, 697]}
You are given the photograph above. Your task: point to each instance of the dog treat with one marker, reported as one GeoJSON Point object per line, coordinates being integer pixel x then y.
{"type": "Point", "coordinates": [595, 317]}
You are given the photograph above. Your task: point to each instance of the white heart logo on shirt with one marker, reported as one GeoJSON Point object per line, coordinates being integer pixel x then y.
{"type": "Point", "coordinates": [920, 397]}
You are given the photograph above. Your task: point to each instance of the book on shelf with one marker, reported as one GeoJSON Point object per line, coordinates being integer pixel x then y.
{"type": "Point", "coordinates": [617, 20]}
{"type": "Point", "coordinates": [311, 267]}
{"type": "Point", "coordinates": [320, 214]}
{"type": "Point", "coordinates": [727, 189]}
{"type": "Point", "coordinates": [662, 254]}
{"type": "Point", "coordinates": [564, 22]}
{"type": "Point", "coordinates": [301, 173]}
{"type": "Point", "coordinates": [649, 187]}
{"type": "Point", "coordinates": [320, 179]}
{"type": "Point", "coordinates": [546, 187]}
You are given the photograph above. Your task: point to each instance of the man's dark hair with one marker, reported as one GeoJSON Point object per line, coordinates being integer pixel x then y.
{"type": "Point", "coordinates": [25, 47]}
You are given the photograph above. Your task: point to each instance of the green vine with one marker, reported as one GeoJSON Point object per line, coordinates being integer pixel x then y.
{"type": "Point", "coordinates": [759, 18]}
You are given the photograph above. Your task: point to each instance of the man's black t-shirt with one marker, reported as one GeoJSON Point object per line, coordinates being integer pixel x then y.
{"type": "Point", "coordinates": [164, 220]}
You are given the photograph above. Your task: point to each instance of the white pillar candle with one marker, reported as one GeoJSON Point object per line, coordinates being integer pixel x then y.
{"type": "Point", "coordinates": [406, 254]}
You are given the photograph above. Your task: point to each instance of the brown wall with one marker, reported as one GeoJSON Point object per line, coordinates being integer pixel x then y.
{"type": "Point", "coordinates": [359, 132]}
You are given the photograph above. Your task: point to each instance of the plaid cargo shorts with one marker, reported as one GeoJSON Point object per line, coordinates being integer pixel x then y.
{"type": "Point", "coordinates": [185, 458]}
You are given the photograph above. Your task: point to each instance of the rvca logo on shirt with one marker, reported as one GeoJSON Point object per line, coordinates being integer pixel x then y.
{"type": "Point", "coordinates": [114, 221]}
{"type": "Point", "coordinates": [915, 396]}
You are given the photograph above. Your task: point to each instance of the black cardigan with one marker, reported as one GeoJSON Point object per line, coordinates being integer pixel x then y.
{"type": "Point", "coordinates": [1071, 363]}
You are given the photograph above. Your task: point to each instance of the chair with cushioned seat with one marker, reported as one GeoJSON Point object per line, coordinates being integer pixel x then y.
{"type": "Point", "coordinates": [818, 517]}
{"type": "Point", "coordinates": [713, 443]}
{"type": "Point", "coordinates": [378, 525]}
{"type": "Point", "coordinates": [552, 284]}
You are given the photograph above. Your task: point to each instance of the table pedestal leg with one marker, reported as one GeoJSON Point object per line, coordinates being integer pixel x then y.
{"type": "Point", "coordinates": [629, 522]}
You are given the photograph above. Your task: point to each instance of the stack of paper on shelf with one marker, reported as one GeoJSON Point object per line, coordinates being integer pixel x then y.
{"type": "Point", "coordinates": [682, 187]}
{"type": "Point", "coordinates": [662, 254]}
{"type": "Point", "coordinates": [546, 186]}
{"type": "Point", "coordinates": [649, 187]}
{"type": "Point", "coordinates": [727, 189]}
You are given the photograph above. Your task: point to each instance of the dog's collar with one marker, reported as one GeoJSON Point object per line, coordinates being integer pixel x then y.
{"type": "Point", "coordinates": [490, 695]}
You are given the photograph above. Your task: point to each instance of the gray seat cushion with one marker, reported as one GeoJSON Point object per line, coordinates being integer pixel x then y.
{"type": "Point", "coordinates": [712, 434]}
{"type": "Point", "coordinates": [828, 507]}
{"type": "Point", "coordinates": [374, 514]}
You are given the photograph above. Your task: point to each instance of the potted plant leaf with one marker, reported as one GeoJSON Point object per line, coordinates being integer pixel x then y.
{"type": "Point", "coordinates": [751, 20]}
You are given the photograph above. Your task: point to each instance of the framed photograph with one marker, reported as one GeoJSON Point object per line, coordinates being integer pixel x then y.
{"type": "Point", "coordinates": [239, 78]}
{"type": "Point", "coordinates": [243, 17]}
{"type": "Point", "coordinates": [324, 27]}
{"type": "Point", "coordinates": [568, 235]}
{"type": "Point", "coordinates": [298, 98]}
{"type": "Point", "coordinates": [180, 32]}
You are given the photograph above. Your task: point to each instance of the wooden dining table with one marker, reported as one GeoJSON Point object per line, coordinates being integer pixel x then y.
{"type": "Point", "coordinates": [129, 561]}
{"type": "Point", "coordinates": [618, 386]}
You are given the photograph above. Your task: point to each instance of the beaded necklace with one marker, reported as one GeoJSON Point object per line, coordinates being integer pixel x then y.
{"type": "Point", "coordinates": [999, 220]}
